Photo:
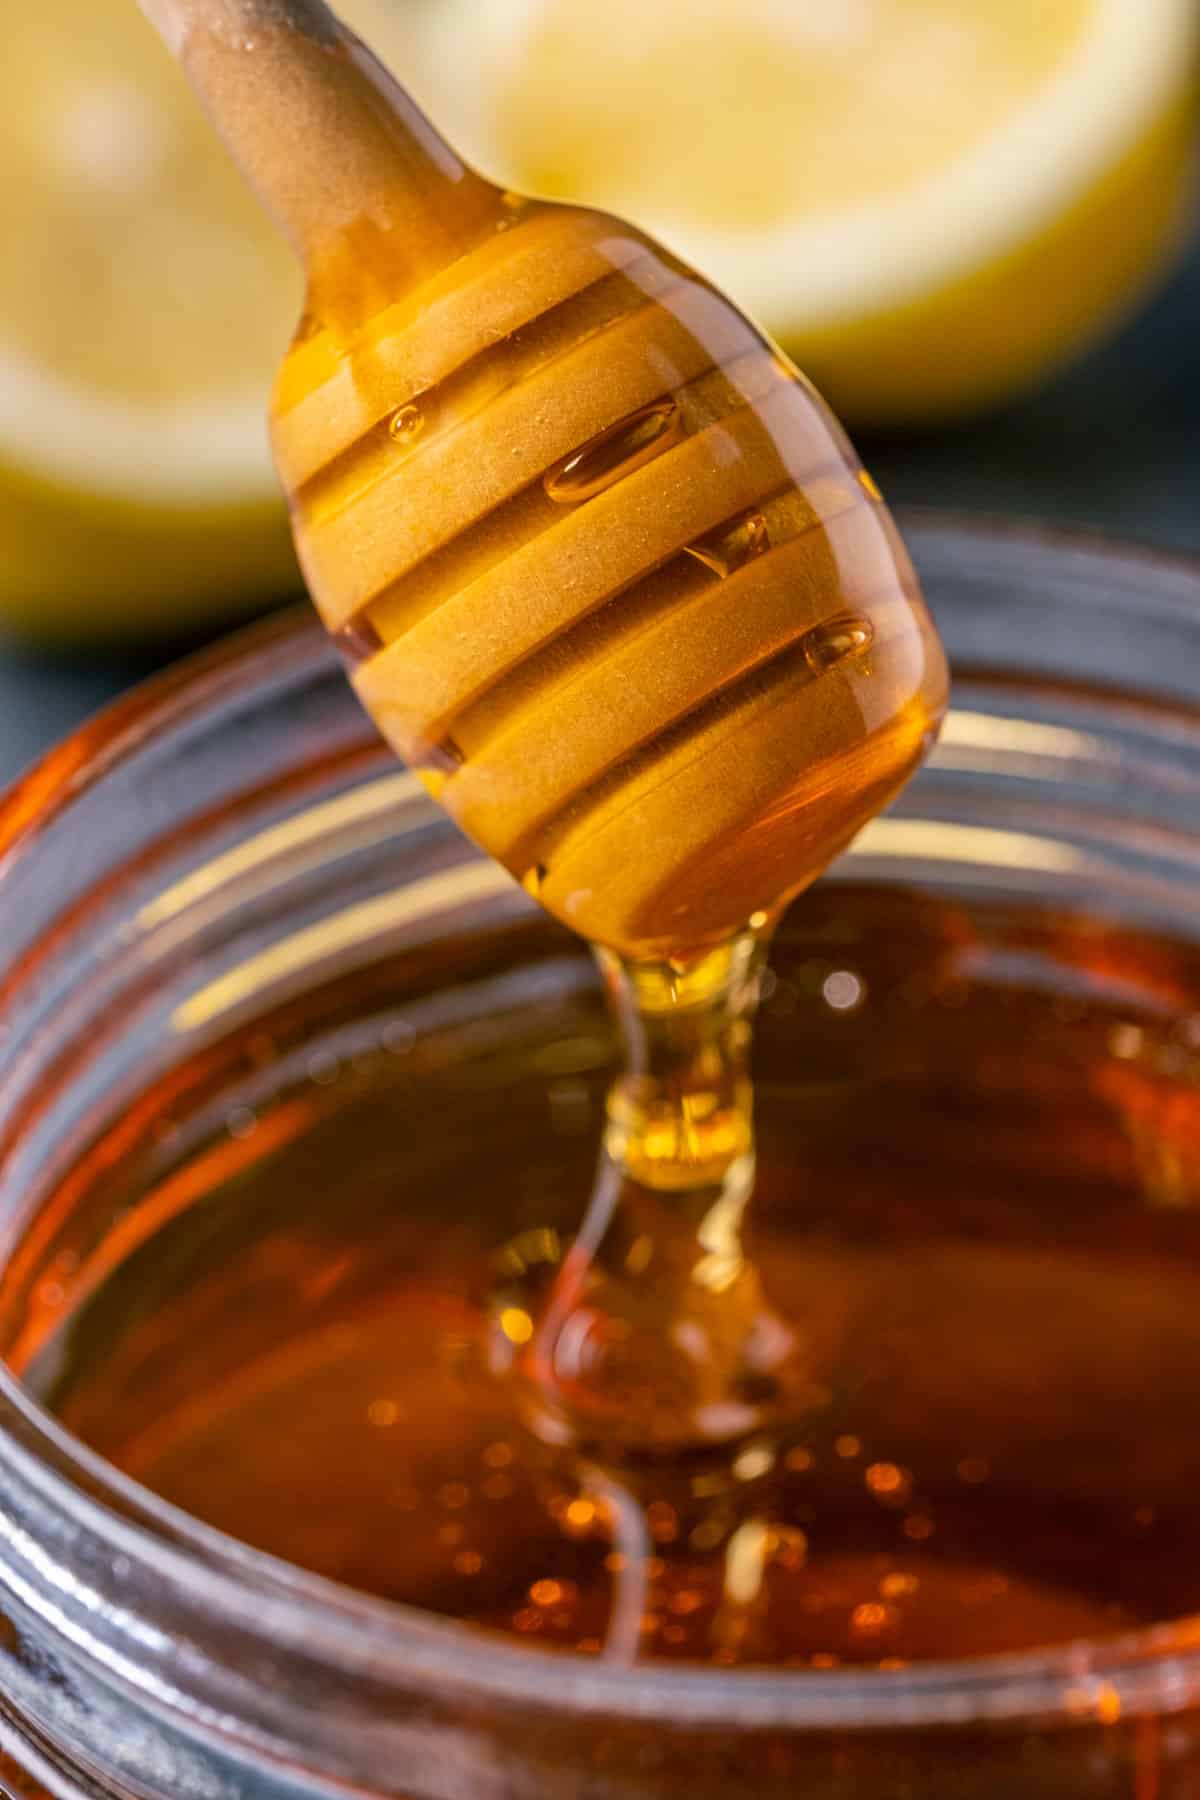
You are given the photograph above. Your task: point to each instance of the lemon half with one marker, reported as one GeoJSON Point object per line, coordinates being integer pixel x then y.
{"type": "Point", "coordinates": [145, 301]}
{"type": "Point", "coordinates": [929, 201]}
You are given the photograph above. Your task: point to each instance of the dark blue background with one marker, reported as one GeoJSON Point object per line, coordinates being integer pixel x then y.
{"type": "Point", "coordinates": [1114, 445]}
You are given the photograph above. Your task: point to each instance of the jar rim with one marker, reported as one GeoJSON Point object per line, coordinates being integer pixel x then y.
{"type": "Point", "coordinates": [1152, 1667]}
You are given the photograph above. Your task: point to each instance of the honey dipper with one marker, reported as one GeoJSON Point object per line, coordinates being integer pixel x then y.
{"type": "Point", "coordinates": [611, 576]}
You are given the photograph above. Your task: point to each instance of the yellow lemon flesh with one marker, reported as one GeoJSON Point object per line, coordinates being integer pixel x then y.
{"type": "Point", "coordinates": [929, 201]}
{"type": "Point", "coordinates": [145, 301]}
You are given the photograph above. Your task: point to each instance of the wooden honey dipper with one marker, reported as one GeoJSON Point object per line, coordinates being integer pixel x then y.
{"type": "Point", "coordinates": [611, 577]}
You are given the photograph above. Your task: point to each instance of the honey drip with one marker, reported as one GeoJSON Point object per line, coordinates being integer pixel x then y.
{"type": "Point", "coordinates": [649, 1352]}
{"type": "Point", "coordinates": [519, 442]}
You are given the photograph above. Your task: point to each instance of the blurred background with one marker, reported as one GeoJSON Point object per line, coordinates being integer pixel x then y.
{"type": "Point", "coordinates": [971, 221]}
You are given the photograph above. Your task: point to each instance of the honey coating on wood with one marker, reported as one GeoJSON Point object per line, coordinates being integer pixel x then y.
{"type": "Point", "coordinates": [630, 568]}
{"type": "Point", "coordinates": [569, 513]}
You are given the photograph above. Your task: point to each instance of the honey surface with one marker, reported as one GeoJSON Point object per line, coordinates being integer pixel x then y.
{"type": "Point", "coordinates": [974, 1166]}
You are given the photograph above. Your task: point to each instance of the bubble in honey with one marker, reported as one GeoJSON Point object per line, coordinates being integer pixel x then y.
{"type": "Point", "coordinates": [829, 644]}
{"type": "Point", "coordinates": [873, 1618]}
{"type": "Point", "coordinates": [890, 1484]}
{"type": "Point", "coordinates": [580, 1517]}
{"type": "Point", "coordinates": [614, 453]}
{"type": "Point", "coordinates": [406, 424]}
{"type": "Point", "coordinates": [843, 990]}
{"type": "Point", "coordinates": [730, 548]}
{"type": "Point", "coordinates": [898, 1586]}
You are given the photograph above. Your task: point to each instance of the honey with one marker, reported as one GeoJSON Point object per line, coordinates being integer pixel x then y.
{"type": "Point", "coordinates": [970, 1219]}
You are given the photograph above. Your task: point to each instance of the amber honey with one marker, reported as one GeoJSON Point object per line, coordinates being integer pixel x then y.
{"type": "Point", "coordinates": [974, 1221]}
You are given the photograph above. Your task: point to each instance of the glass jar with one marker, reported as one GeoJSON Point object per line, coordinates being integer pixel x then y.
{"type": "Point", "coordinates": [232, 838]}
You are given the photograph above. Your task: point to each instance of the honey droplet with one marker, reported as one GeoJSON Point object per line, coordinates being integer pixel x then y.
{"type": "Point", "coordinates": [869, 485]}
{"type": "Point", "coordinates": [441, 758]}
{"type": "Point", "coordinates": [357, 643]}
{"type": "Point", "coordinates": [614, 453]}
{"type": "Point", "coordinates": [732, 546]}
{"type": "Point", "coordinates": [406, 425]}
{"type": "Point", "coordinates": [533, 879]}
{"type": "Point", "coordinates": [827, 645]}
